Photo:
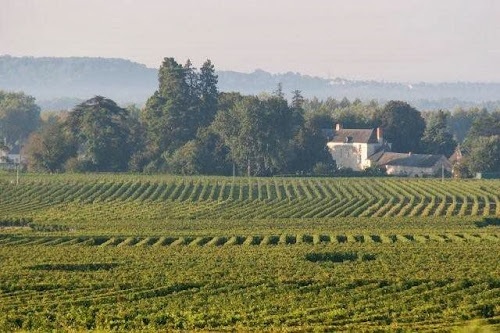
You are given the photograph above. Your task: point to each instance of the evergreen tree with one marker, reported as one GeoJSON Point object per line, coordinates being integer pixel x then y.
{"type": "Point", "coordinates": [297, 100]}
{"type": "Point", "coordinates": [278, 92]}
{"type": "Point", "coordinates": [209, 94]}
{"type": "Point", "coordinates": [170, 115]}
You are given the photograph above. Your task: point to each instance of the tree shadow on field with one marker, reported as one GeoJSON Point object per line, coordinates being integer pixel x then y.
{"type": "Point", "coordinates": [75, 267]}
{"type": "Point", "coordinates": [338, 257]}
{"type": "Point", "coordinates": [488, 221]}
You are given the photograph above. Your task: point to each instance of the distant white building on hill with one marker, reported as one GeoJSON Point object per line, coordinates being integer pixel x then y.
{"type": "Point", "coordinates": [358, 149]}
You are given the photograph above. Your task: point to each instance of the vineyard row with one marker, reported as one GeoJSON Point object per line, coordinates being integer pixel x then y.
{"type": "Point", "coordinates": [284, 239]}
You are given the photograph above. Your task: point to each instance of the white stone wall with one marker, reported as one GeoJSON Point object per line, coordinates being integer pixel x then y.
{"type": "Point", "coordinates": [352, 155]}
{"type": "Point", "coordinates": [15, 158]}
{"type": "Point", "coordinates": [410, 171]}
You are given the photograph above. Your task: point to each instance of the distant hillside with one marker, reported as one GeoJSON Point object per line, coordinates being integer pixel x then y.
{"type": "Point", "coordinates": [62, 82]}
{"type": "Point", "coordinates": [80, 78]}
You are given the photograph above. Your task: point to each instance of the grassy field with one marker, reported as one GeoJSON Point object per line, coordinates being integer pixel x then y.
{"type": "Point", "coordinates": [153, 253]}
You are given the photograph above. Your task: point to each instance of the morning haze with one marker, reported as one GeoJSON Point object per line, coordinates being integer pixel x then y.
{"type": "Point", "coordinates": [447, 40]}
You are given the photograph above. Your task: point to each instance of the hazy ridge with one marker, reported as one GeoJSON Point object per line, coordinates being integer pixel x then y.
{"type": "Point", "coordinates": [62, 82]}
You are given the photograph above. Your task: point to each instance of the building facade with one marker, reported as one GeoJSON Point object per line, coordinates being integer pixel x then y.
{"type": "Point", "coordinates": [352, 148]}
{"type": "Point", "coordinates": [358, 149]}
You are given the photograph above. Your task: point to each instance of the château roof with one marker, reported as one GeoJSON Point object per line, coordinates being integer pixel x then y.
{"type": "Point", "coordinates": [355, 136]}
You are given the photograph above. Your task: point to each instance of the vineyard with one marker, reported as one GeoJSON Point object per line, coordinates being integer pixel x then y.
{"type": "Point", "coordinates": [163, 253]}
{"type": "Point", "coordinates": [227, 198]}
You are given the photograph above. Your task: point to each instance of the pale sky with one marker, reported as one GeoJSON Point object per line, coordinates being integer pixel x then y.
{"type": "Point", "coordinates": [392, 40]}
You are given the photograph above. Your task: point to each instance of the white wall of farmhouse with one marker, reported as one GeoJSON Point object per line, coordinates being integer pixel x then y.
{"type": "Point", "coordinates": [352, 155]}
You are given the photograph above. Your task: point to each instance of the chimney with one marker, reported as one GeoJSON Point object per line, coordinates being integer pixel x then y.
{"type": "Point", "coordinates": [380, 135]}
{"type": "Point", "coordinates": [338, 127]}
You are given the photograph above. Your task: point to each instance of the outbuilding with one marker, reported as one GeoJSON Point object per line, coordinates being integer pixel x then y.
{"type": "Point", "coordinates": [412, 165]}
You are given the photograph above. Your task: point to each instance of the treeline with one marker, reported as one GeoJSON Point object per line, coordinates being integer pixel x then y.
{"type": "Point", "coordinates": [189, 127]}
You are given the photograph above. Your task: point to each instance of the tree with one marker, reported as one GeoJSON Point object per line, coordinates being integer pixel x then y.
{"type": "Point", "coordinates": [214, 157]}
{"type": "Point", "coordinates": [461, 121]}
{"type": "Point", "coordinates": [356, 115]}
{"type": "Point", "coordinates": [258, 133]}
{"type": "Point", "coordinates": [483, 154]}
{"type": "Point", "coordinates": [485, 124]}
{"type": "Point", "coordinates": [50, 148]}
{"type": "Point", "coordinates": [297, 100]}
{"type": "Point", "coordinates": [205, 155]}
{"type": "Point", "coordinates": [278, 92]}
{"type": "Point", "coordinates": [186, 100]}
{"type": "Point", "coordinates": [344, 103]}
{"type": "Point", "coordinates": [403, 126]}
{"type": "Point", "coordinates": [309, 149]}
{"type": "Point", "coordinates": [209, 94]}
{"type": "Point", "coordinates": [437, 139]}
{"type": "Point", "coordinates": [101, 130]}
{"type": "Point", "coordinates": [309, 142]}
{"type": "Point", "coordinates": [166, 116]}
{"type": "Point", "coordinates": [19, 117]}
{"type": "Point", "coordinates": [186, 159]}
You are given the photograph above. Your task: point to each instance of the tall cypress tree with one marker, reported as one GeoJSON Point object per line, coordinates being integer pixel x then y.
{"type": "Point", "coordinates": [168, 115]}
{"type": "Point", "coordinates": [209, 94]}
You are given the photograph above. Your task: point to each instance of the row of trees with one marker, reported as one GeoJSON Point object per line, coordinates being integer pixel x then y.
{"type": "Point", "coordinates": [188, 127]}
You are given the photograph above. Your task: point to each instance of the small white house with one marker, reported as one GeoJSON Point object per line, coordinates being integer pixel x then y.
{"type": "Point", "coordinates": [351, 148]}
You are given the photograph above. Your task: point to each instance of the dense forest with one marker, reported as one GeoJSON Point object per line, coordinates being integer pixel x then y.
{"type": "Point", "coordinates": [61, 83]}
{"type": "Point", "coordinates": [189, 127]}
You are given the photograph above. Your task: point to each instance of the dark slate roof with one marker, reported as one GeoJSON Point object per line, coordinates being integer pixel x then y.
{"type": "Point", "coordinates": [377, 154]}
{"type": "Point", "coordinates": [16, 150]}
{"type": "Point", "coordinates": [355, 136]}
{"type": "Point", "coordinates": [413, 160]}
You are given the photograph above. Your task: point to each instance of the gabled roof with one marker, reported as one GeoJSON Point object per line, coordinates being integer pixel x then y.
{"type": "Point", "coordinates": [409, 160]}
{"type": "Point", "coordinates": [16, 150]}
{"type": "Point", "coordinates": [355, 136]}
{"type": "Point", "coordinates": [377, 154]}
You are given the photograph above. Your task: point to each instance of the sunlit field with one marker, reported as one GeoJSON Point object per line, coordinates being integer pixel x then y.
{"type": "Point", "coordinates": [217, 253]}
